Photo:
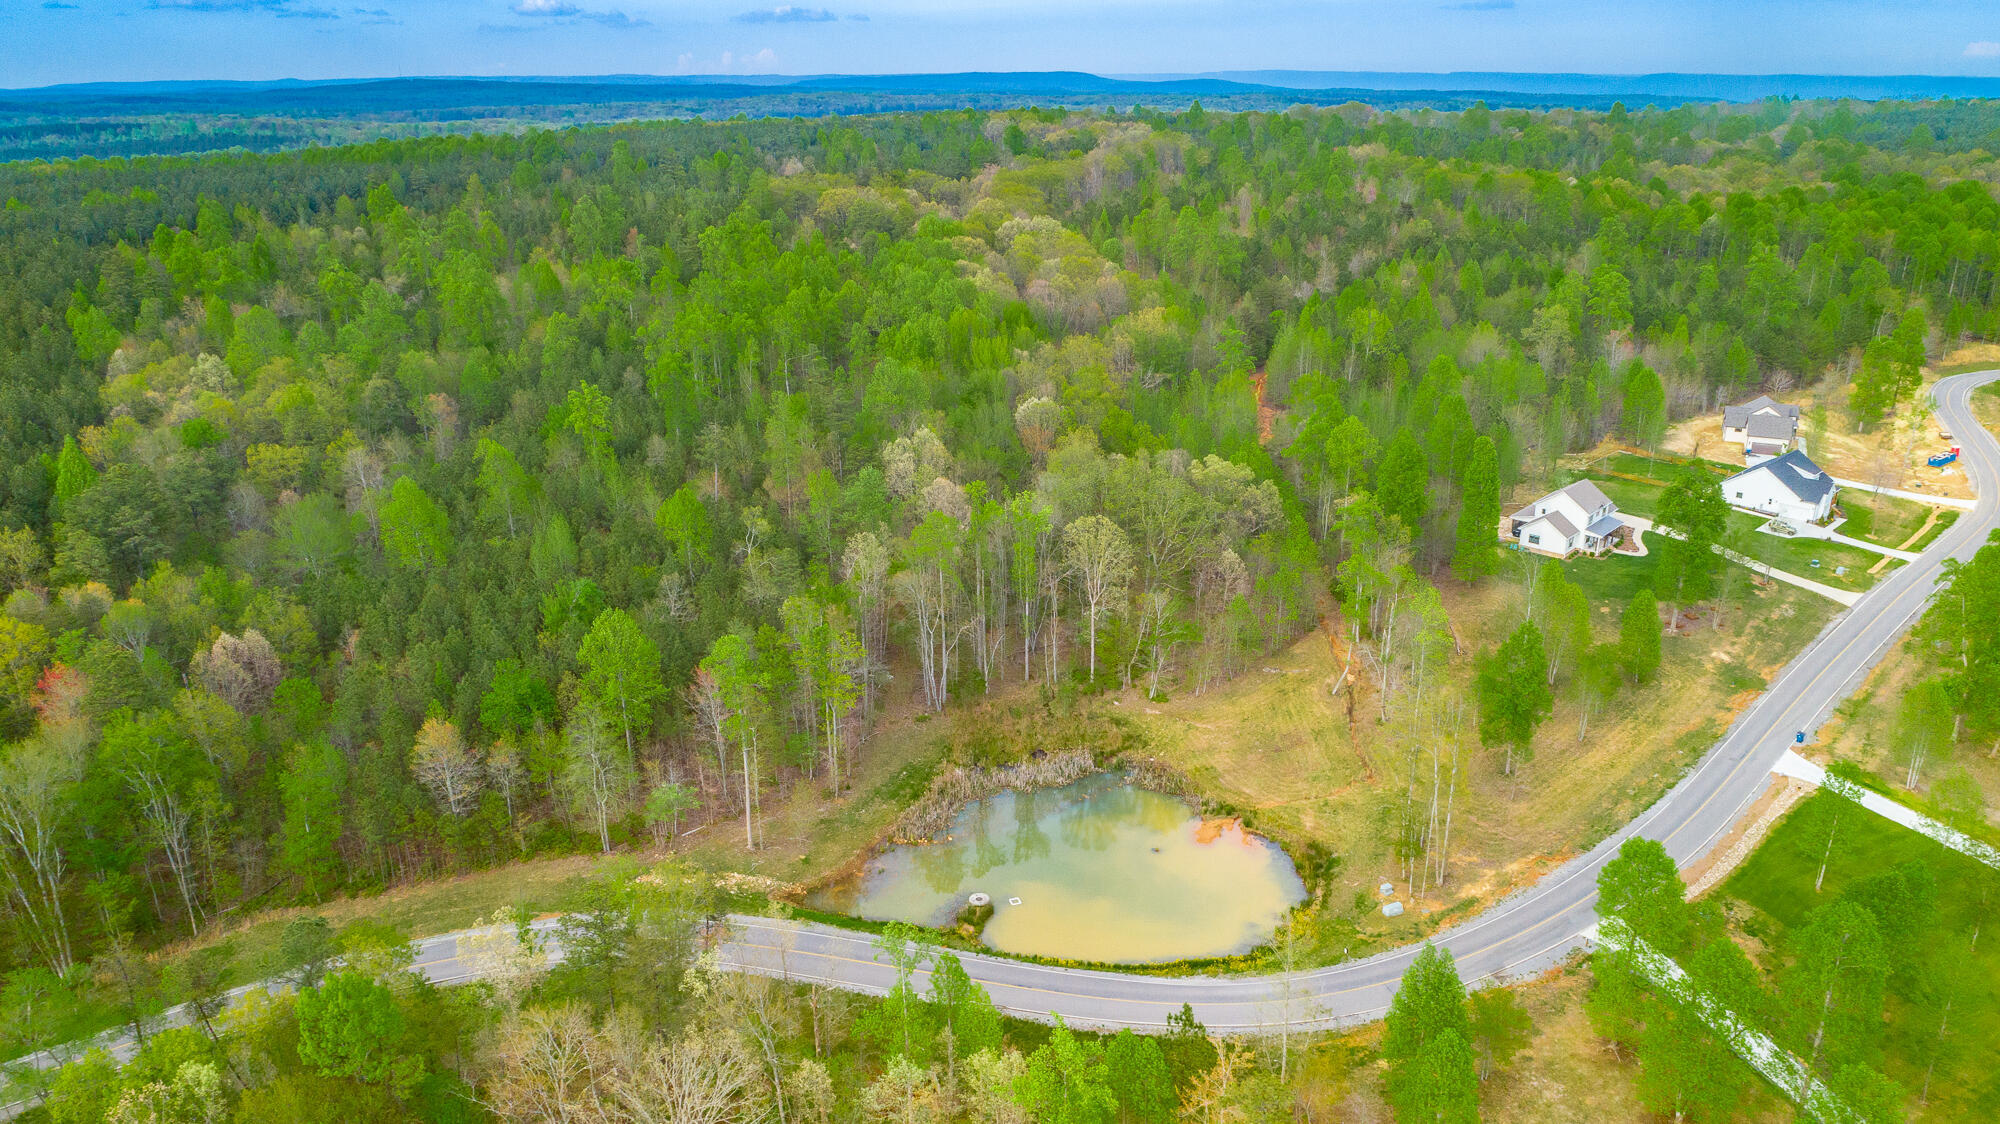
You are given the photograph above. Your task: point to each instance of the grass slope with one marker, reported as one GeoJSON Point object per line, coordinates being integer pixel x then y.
{"type": "Point", "coordinates": [1772, 892]}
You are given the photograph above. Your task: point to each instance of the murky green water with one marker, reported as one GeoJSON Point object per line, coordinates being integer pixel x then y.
{"type": "Point", "coordinates": [1102, 871]}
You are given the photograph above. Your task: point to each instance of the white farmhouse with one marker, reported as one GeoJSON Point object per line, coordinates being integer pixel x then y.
{"type": "Point", "coordinates": [1577, 518]}
{"type": "Point", "coordinates": [1765, 428]}
{"type": "Point", "coordinates": [1789, 487]}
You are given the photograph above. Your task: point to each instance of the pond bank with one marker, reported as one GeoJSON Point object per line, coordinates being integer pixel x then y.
{"type": "Point", "coordinates": [956, 786]}
{"type": "Point", "coordinates": [1098, 869]}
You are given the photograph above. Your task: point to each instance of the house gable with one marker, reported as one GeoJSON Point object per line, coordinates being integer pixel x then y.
{"type": "Point", "coordinates": [1556, 522]}
{"type": "Point", "coordinates": [1763, 406]}
{"type": "Point", "coordinates": [1791, 479]}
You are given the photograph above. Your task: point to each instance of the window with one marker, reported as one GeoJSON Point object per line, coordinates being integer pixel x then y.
{"type": "Point", "coordinates": [1739, 495]}
{"type": "Point", "coordinates": [1535, 540]}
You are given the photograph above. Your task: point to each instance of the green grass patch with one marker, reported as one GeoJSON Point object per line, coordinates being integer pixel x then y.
{"type": "Point", "coordinates": [1614, 578]}
{"type": "Point", "coordinates": [1631, 495]}
{"type": "Point", "coordinates": [1799, 555]}
{"type": "Point", "coordinates": [1632, 464]}
{"type": "Point", "coordinates": [907, 784]}
{"type": "Point", "coordinates": [1661, 466]}
{"type": "Point", "coordinates": [1883, 520]}
{"type": "Point", "coordinates": [1776, 886]}
{"type": "Point", "coordinates": [1735, 678]}
{"type": "Point", "coordinates": [1944, 520]}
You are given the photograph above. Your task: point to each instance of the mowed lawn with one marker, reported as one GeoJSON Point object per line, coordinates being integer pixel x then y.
{"type": "Point", "coordinates": [1829, 563]}
{"type": "Point", "coordinates": [1772, 893]}
{"type": "Point", "coordinates": [1883, 520]}
{"type": "Point", "coordinates": [1838, 564]}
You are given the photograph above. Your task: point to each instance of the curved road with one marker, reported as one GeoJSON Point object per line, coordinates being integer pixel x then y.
{"type": "Point", "coordinates": [1519, 936]}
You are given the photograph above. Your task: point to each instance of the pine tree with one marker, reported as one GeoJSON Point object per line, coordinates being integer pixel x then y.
{"type": "Point", "coordinates": [1401, 483]}
{"type": "Point", "coordinates": [1478, 514]}
{"type": "Point", "coordinates": [1427, 1040]}
{"type": "Point", "coordinates": [1639, 637]}
{"type": "Point", "coordinates": [74, 474]}
{"type": "Point", "coordinates": [1645, 405]}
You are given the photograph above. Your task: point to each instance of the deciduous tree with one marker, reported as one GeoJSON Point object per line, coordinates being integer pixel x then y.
{"type": "Point", "coordinates": [1098, 556]}
{"type": "Point", "coordinates": [444, 764]}
{"type": "Point", "coordinates": [621, 669]}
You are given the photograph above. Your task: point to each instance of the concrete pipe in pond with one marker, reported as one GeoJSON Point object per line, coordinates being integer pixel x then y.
{"type": "Point", "coordinates": [978, 899]}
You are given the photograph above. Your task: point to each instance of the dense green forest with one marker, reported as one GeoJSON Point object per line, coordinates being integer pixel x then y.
{"type": "Point", "coordinates": [373, 513]}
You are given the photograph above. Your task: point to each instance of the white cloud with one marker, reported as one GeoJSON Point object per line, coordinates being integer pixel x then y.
{"type": "Point", "coordinates": [1983, 49]}
{"type": "Point", "coordinates": [763, 62]}
{"type": "Point", "coordinates": [562, 11]}
{"type": "Point", "coordinates": [787, 13]}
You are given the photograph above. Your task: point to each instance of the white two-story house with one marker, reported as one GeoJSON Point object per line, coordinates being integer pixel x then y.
{"type": "Point", "coordinates": [1576, 519]}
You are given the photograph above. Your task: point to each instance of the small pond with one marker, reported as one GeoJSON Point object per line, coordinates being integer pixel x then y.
{"type": "Point", "coordinates": [1096, 870]}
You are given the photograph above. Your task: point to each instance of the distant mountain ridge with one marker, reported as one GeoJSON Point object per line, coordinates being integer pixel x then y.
{"type": "Point", "coordinates": [1320, 85]}
{"type": "Point", "coordinates": [1713, 87]}
{"type": "Point", "coordinates": [129, 119]}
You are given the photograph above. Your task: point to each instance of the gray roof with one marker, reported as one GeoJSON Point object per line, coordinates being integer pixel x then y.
{"type": "Point", "coordinates": [1799, 475]}
{"type": "Point", "coordinates": [1605, 525]}
{"type": "Point", "coordinates": [1772, 425]}
{"type": "Point", "coordinates": [1587, 495]}
{"type": "Point", "coordinates": [1557, 520]}
{"type": "Point", "coordinates": [1583, 493]}
{"type": "Point", "coordinates": [1735, 416]}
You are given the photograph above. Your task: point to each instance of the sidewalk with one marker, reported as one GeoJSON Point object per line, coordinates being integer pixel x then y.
{"type": "Point", "coordinates": [1792, 765]}
{"type": "Point", "coordinates": [1773, 1062]}
{"type": "Point", "coordinates": [1832, 534]}
{"type": "Point", "coordinates": [1841, 596]}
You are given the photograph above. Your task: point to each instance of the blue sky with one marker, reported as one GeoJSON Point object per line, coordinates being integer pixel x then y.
{"type": "Point", "coordinates": [51, 41]}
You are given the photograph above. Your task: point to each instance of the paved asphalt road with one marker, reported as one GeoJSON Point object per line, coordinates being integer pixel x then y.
{"type": "Point", "coordinates": [1525, 933]}
{"type": "Point", "coordinates": [1519, 936]}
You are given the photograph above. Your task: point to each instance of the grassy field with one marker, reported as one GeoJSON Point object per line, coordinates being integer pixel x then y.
{"type": "Point", "coordinates": [1612, 580]}
{"type": "Point", "coordinates": [1278, 743]}
{"type": "Point", "coordinates": [1568, 1075]}
{"type": "Point", "coordinates": [1986, 405]}
{"type": "Point", "coordinates": [1661, 469]}
{"type": "Point", "coordinates": [1944, 520]}
{"type": "Point", "coordinates": [1631, 495]}
{"type": "Point", "coordinates": [1883, 520]}
{"type": "Point", "coordinates": [1772, 893]}
{"type": "Point", "coordinates": [1863, 729]}
{"type": "Point", "coordinates": [1794, 556]}
{"type": "Point", "coordinates": [1829, 563]}
{"type": "Point", "coordinates": [1564, 1074]}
